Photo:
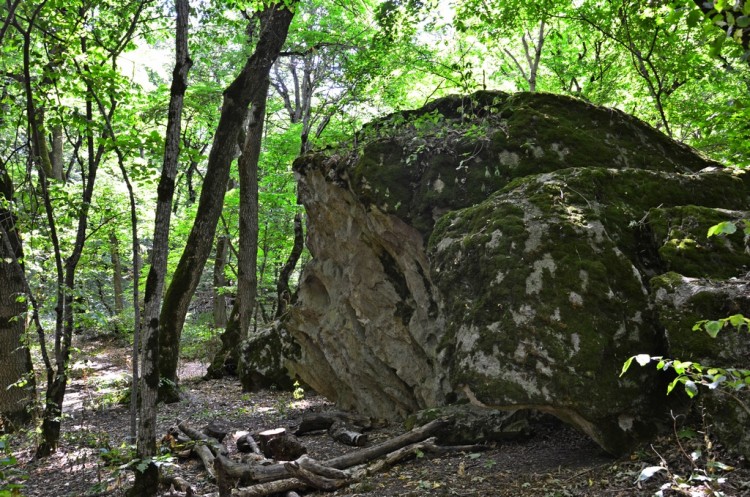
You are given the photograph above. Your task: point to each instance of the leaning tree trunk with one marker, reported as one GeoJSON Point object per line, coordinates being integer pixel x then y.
{"type": "Point", "coordinates": [147, 479]}
{"type": "Point", "coordinates": [275, 22]}
{"type": "Point", "coordinates": [16, 374]}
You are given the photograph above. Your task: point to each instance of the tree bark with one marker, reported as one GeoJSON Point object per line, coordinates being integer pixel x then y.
{"type": "Point", "coordinates": [65, 322]}
{"type": "Point", "coordinates": [228, 355]}
{"type": "Point", "coordinates": [14, 355]}
{"type": "Point", "coordinates": [247, 264]}
{"type": "Point", "coordinates": [57, 152]}
{"type": "Point", "coordinates": [275, 22]}
{"type": "Point", "coordinates": [147, 481]}
{"type": "Point", "coordinates": [114, 250]}
{"type": "Point", "coordinates": [220, 281]}
{"type": "Point", "coordinates": [283, 292]}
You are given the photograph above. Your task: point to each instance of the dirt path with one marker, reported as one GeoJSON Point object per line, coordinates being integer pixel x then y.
{"type": "Point", "coordinates": [555, 461]}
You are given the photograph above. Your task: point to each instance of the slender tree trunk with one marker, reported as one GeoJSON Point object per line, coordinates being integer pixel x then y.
{"type": "Point", "coordinates": [57, 152]}
{"type": "Point", "coordinates": [147, 481]}
{"type": "Point", "coordinates": [50, 430]}
{"type": "Point", "coordinates": [247, 265]}
{"type": "Point", "coordinates": [283, 292]}
{"type": "Point", "coordinates": [275, 22]}
{"type": "Point", "coordinates": [114, 250]}
{"type": "Point", "coordinates": [55, 393]}
{"type": "Point", "coordinates": [220, 281]}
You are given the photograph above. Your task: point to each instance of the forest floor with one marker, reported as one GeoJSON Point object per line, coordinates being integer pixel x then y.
{"type": "Point", "coordinates": [555, 461]}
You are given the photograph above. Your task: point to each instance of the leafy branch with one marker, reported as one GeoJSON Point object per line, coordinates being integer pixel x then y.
{"type": "Point", "coordinates": [692, 374]}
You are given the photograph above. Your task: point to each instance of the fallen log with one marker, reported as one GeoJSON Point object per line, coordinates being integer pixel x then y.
{"type": "Point", "coordinates": [206, 447]}
{"type": "Point", "coordinates": [309, 473]}
{"type": "Point", "coordinates": [259, 473]}
{"type": "Point", "coordinates": [319, 421]}
{"type": "Point", "coordinates": [175, 483]}
{"type": "Point", "coordinates": [341, 432]}
{"type": "Point", "coordinates": [246, 444]}
{"type": "Point", "coordinates": [217, 429]}
{"type": "Point", "coordinates": [316, 480]}
{"type": "Point", "coordinates": [215, 446]}
{"type": "Point", "coordinates": [368, 454]}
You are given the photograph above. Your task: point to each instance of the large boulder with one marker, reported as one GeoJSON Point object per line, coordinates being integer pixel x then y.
{"type": "Point", "coordinates": [497, 249]}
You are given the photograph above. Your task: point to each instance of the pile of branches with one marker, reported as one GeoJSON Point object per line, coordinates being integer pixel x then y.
{"type": "Point", "coordinates": [278, 463]}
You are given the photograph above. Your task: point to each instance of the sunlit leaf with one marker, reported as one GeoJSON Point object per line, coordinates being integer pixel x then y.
{"type": "Point", "coordinates": [713, 328]}
{"type": "Point", "coordinates": [737, 320]}
{"type": "Point", "coordinates": [626, 365]}
{"type": "Point", "coordinates": [643, 359]}
{"type": "Point", "coordinates": [648, 472]}
{"type": "Point", "coordinates": [726, 227]}
{"type": "Point", "coordinates": [691, 388]}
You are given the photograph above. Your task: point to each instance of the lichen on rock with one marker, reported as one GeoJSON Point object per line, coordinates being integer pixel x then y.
{"type": "Point", "coordinates": [498, 249]}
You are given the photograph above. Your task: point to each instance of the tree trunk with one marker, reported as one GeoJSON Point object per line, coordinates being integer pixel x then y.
{"type": "Point", "coordinates": [114, 250]}
{"type": "Point", "coordinates": [220, 281]}
{"type": "Point", "coordinates": [228, 356]}
{"type": "Point", "coordinates": [57, 152]}
{"type": "Point", "coordinates": [283, 291]}
{"type": "Point", "coordinates": [247, 264]}
{"type": "Point", "coordinates": [147, 481]}
{"type": "Point", "coordinates": [65, 283]}
{"type": "Point", "coordinates": [14, 355]}
{"type": "Point", "coordinates": [275, 22]}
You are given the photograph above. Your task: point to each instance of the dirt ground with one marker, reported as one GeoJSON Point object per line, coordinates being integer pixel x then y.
{"type": "Point", "coordinates": [555, 461]}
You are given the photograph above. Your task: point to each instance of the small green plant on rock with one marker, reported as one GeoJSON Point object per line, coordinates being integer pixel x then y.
{"type": "Point", "coordinates": [705, 475]}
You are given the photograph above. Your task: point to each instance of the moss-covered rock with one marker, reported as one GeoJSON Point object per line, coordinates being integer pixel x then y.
{"type": "Point", "coordinates": [680, 233]}
{"type": "Point", "coordinates": [498, 249]}
{"type": "Point", "coordinates": [261, 364]}
{"type": "Point", "coordinates": [454, 152]}
{"type": "Point", "coordinates": [681, 303]}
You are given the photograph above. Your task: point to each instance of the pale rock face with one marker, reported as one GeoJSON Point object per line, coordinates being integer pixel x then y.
{"type": "Point", "coordinates": [432, 281]}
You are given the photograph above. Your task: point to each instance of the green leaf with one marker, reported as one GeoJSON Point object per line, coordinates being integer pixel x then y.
{"type": "Point", "coordinates": [743, 21]}
{"type": "Point", "coordinates": [691, 388]}
{"type": "Point", "coordinates": [737, 320]}
{"type": "Point", "coordinates": [626, 365]}
{"type": "Point", "coordinates": [694, 18]}
{"type": "Point", "coordinates": [713, 328]}
{"type": "Point", "coordinates": [726, 227]}
{"type": "Point", "coordinates": [673, 384]}
{"type": "Point", "coordinates": [717, 381]}
{"type": "Point", "coordinates": [719, 465]}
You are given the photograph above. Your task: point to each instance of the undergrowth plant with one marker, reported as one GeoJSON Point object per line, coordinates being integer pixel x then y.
{"type": "Point", "coordinates": [10, 474]}
{"type": "Point", "coordinates": [705, 478]}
